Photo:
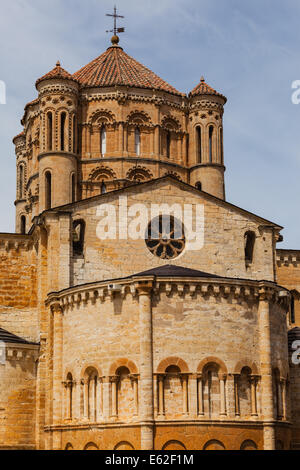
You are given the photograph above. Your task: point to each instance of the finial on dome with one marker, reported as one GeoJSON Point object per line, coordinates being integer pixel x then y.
{"type": "Point", "coordinates": [115, 40]}
{"type": "Point", "coordinates": [58, 63]}
{"type": "Point", "coordinates": [202, 79]}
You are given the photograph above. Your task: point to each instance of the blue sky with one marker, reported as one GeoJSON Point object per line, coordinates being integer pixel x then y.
{"type": "Point", "coordinates": [248, 50]}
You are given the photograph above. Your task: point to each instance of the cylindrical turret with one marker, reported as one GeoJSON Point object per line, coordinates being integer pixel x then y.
{"type": "Point", "coordinates": [206, 151]}
{"type": "Point", "coordinates": [58, 93]}
{"type": "Point", "coordinates": [20, 203]}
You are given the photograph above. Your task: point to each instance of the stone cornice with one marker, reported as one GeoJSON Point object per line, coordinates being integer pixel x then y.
{"type": "Point", "coordinates": [186, 286]}
{"type": "Point", "coordinates": [15, 241]}
{"type": "Point", "coordinates": [288, 257]}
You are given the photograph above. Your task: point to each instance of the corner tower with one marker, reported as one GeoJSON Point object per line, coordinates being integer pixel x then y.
{"type": "Point", "coordinates": [58, 96]}
{"type": "Point", "coordinates": [206, 139]}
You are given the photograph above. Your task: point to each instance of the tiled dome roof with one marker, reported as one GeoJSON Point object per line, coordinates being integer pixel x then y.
{"type": "Point", "coordinates": [204, 89]}
{"type": "Point", "coordinates": [115, 67]}
{"type": "Point", "coordinates": [57, 72]}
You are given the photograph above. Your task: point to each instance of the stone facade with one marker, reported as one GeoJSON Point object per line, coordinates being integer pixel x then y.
{"type": "Point", "coordinates": [106, 345]}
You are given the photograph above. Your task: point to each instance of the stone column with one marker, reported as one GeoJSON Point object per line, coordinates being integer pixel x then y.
{"type": "Point", "coordinates": [223, 395]}
{"type": "Point", "coordinates": [57, 371]}
{"type": "Point", "coordinates": [266, 370]}
{"type": "Point", "coordinates": [185, 398]}
{"type": "Point", "coordinates": [236, 395]}
{"type": "Point", "coordinates": [161, 401]}
{"type": "Point", "coordinates": [283, 391]}
{"type": "Point", "coordinates": [114, 396]}
{"type": "Point", "coordinates": [200, 396]}
{"type": "Point", "coordinates": [253, 381]}
{"type": "Point", "coordinates": [146, 365]}
{"type": "Point", "coordinates": [134, 381]}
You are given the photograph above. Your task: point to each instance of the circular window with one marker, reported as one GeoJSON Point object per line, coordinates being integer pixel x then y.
{"type": "Point", "coordinates": [165, 237]}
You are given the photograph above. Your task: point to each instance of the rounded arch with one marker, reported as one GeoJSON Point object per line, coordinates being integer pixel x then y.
{"type": "Point", "coordinates": [69, 446]}
{"type": "Point", "coordinates": [124, 445]}
{"type": "Point", "coordinates": [139, 173]}
{"type": "Point", "coordinates": [138, 118]}
{"type": "Point", "coordinates": [246, 363]}
{"type": "Point", "coordinates": [170, 123]}
{"type": "Point", "coordinates": [212, 360]}
{"type": "Point", "coordinates": [214, 445]}
{"type": "Point", "coordinates": [248, 445]}
{"type": "Point", "coordinates": [102, 173]}
{"type": "Point", "coordinates": [102, 117]}
{"type": "Point", "coordinates": [123, 362]}
{"type": "Point", "coordinates": [173, 174]}
{"type": "Point", "coordinates": [86, 370]}
{"type": "Point", "coordinates": [174, 445]}
{"type": "Point", "coordinates": [172, 361]}
{"type": "Point", "coordinates": [91, 446]}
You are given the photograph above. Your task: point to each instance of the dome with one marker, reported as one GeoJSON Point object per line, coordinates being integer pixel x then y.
{"type": "Point", "coordinates": [115, 67]}
{"type": "Point", "coordinates": [57, 73]}
{"type": "Point", "coordinates": [204, 89]}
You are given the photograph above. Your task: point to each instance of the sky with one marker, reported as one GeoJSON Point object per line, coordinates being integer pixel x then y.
{"type": "Point", "coordinates": [248, 50]}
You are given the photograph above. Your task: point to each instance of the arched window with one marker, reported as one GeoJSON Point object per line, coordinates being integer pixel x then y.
{"type": "Point", "coordinates": [69, 390]}
{"type": "Point", "coordinates": [292, 308]}
{"type": "Point", "coordinates": [78, 237]}
{"type": "Point", "coordinates": [63, 118]}
{"type": "Point", "coordinates": [23, 225]}
{"type": "Point", "coordinates": [73, 188]}
{"type": "Point", "coordinates": [249, 247]}
{"type": "Point", "coordinates": [103, 188]}
{"type": "Point", "coordinates": [21, 181]}
{"type": "Point", "coordinates": [199, 144]}
{"type": "Point", "coordinates": [211, 133]}
{"type": "Point", "coordinates": [103, 140]}
{"type": "Point", "coordinates": [137, 141]}
{"type": "Point", "coordinates": [168, 144]}
{"type": "Point", "coordinates": [48, 190]}
{"type": "Point", "coordinates": [125, 393]}
{"type": "Point", "coordinates": [49, 130]}
{"type": "Point", "coordinates": [199, 186]}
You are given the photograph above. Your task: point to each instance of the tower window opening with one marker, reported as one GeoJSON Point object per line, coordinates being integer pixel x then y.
{"type": "Point", "coordinates": [292, 309]}
{"type": "Point", "coordinates": [103, 188]}
{"type": "Point", "coordinates": [48, 190]}
{"type": "Point", "coordinates": [23, 225]}
{"type": "Point", "coordinates": [137, 141]}
{"type": "Point", "coordinates": [249, 247]}
{"type": "Point", "coordinates": [63, 118]}
{"type": "Point", "coordinates": [103, 140]}
{"type": "Point", "coordinates": [49, 130]}
{"type": "Point", "coordinates": [199, 145]}
{"type": "Point", "coordinates": [78, 237]}
{"type": "Point", "coordinates": [199, 186]}
{"type": "Point", "coordinates": [211, 133]}
{"type": "Point", "coordinates": [168, 143]}
{"type": "Point", "coordinates": [21, 181]}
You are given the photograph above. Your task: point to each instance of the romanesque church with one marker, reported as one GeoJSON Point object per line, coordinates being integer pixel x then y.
{"type": "Point", "coordinates": [119, 344]}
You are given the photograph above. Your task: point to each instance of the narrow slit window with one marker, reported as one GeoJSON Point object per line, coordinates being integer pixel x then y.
{"type": "Point", "coordinates": [137, 139]}
{"type": "Point", "coordinates": [293, 309]}
{"type": "Point", "coordinates": [48, 190]}
{"type": "Point", "coordinates": [73, 188]}
{"type": "Point", "coordinates": [199, 145]}
{"type": "Point", "coordinates": [23, 225]}
{"type": "Point", "coordinates": [63, 118]}
{"type": "Point", "coordinates": [49, 130]}
{"type": "Point", "coordinates": [249, 247]}
{"type": "Point", "coordinates": [103, 141]}
{"type": "Point", "coordinates": [78, 237]}
{"type": "Point", "coordinates": [211, 133]}
{"type": "Point", "coordinates": [103, 188]}
{"type": "Point", "coordinates": [21, 181]}
{"type": "Point", "coordinates": [168, 143]}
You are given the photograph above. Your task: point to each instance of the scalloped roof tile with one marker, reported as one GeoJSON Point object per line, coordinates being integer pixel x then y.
{"type": "Point", "coordinates": [115, 67]}
{"type": "Point", "coordinates": [204, 89]}
{"type": "Point", "coordinates": [57, 72]}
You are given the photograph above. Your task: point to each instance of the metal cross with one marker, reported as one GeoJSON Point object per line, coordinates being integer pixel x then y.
{"type": "Point", "coordinates": [115, 16]}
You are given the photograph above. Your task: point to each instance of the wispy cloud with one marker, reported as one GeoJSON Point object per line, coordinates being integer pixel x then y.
{"type": "Point", "coordinates": [247, 50]}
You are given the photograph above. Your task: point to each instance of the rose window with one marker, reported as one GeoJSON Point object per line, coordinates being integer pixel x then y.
{"type": "Point", "coordinates": [165, 237]}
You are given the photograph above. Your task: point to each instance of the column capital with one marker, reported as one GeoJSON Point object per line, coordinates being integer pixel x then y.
{"type": "Point", "coordinates": [144, 287]}
{"type": "Point", "coordinates": [56, 308]}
